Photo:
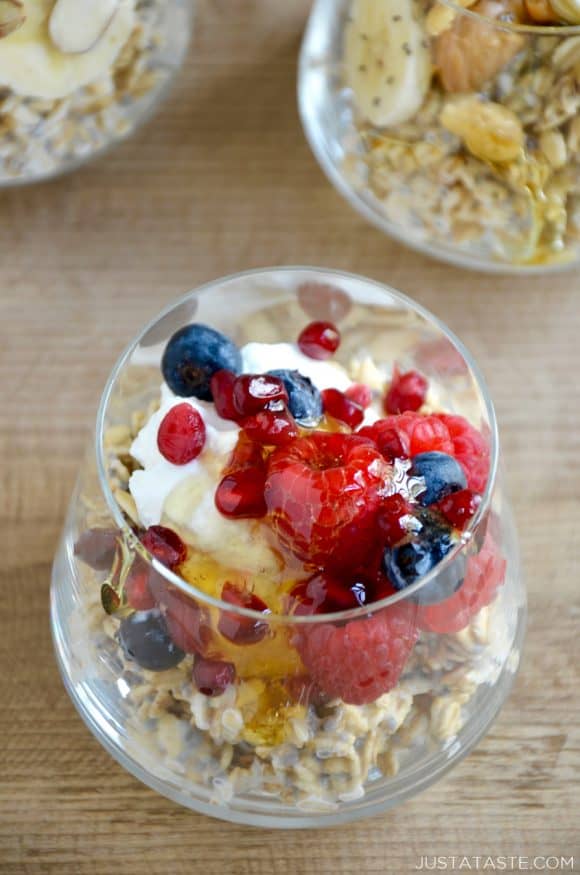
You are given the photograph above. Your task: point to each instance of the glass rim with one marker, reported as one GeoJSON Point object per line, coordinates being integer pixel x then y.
{"type": "Point", "coordinates": [514, 26]}
{"type": "Point", "coordinates": [363, 611]}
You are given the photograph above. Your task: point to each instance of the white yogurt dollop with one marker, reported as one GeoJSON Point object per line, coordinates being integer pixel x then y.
{"type": "Point", "coordinates": [260, 357]}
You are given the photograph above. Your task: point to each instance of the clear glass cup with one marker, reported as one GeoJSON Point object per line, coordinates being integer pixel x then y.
{"type": "Point", "coordinates": [481, 167]}
{"type": "Point", "coordinates": [273, 749]}
{"type": "Point", "coordinates": [43, 137]}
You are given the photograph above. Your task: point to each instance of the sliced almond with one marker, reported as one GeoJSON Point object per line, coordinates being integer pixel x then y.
{"type": "Point", "coordinates": [567, 10]}
{"type": "Point", "coordinates": [472, 51]}
{"type": "Point", "coordinates": [12, 16]}
{"type": "Point", "coordinates": [76, 26]}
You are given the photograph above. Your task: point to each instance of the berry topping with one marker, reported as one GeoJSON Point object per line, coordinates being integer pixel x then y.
{"type": "Point", "coordinates": [470, 449]}
{"type": "Point", "coordinates": [406, 563]}
{"type": "Point", "coordinates": [324, 594]}
{"type": "Point", "coordinates": [181, 435]}
{"type": "Point", "coordinates": [192, 355]}
{"type": "Point", "coordinates": [144, 638]}
{"type": "Point", "coordinates": [420, 433]}
{"type": "Point", "coordinates": [459, 507]}
{"type": "Point", "coordinates": [304, 399]}
{"type": "Point", "coordinates": [363, 659]}
{"type": "Point", "coordinates": [361, 394]}
{"type": "Point", "coordinates": [319, 340]}
{"type": "Point", "coordinates": [322, 493]}
{"type": "Point", "coordinates": [337, 405]}
{"type": "Point", "coordinates": [236, 628]}
{"type": "Point", "coordinates": [165, 545]}
{"type": "Point", "coordinates": [392, 519]}
{"type": "Point", "coordinates": [485, 573]}
{"type": "Point", "coordinates": [222, 390]}
{"type": "Point", "coordinates": [137, 589]}
{"type": "Point", "coordinates": [96, 547]}
{"type": "Point", "coordinates": [187, 622]}
{"type": "Point", "coordinates": [240, 494]}
{"type": "Point", "coordinates": [442, 475]}
{"type": "Point", "coordinates": [391, 443]}
{"type": "Point", "coordinates": [212, 677]}
{"type": "Point", "coordinates": [323, 301]}
{"type": "Point", "coordinates": [271, 427]}
{"type": "Point", "coordinates": [254, 392]}
{"type": "Point", "coordinates": [406, 392]}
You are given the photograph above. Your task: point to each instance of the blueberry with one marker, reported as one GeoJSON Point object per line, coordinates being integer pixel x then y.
{"type": "Point", "coordinates": [192, 355]}
{"type": "Point", "coordinates": [406, 563]}
{"type": "Point", "coordinates": [144, 638]}
{"type": "Point", "coordinates": [442, 473]}
{"type": "Point", "coordinates": [304, 399]}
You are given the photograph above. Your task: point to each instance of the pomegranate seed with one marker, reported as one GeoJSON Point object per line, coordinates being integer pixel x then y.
{"type": "Point", "coordinates": [459, 507]}
{"type": "Point", "coordinates": [165, 545]}
{"type": "Point", "coordinates": [319, 340]}
{"type": "Point", "coordinates": [406, 392]}
{"type": "Point", "coordinates": [361, 394]}
{"type": "Point", "coordinates": [389, 521]}
{"type": "Point", "coordinates": [324, 593]}
{"type": "Point", "coordinates": [271, 427]}
{"type": "Point", "coordinates": [137, 588]}
{"type": "Point", "coordinates": [96, 547]}
{"type": "Point", "coordinates": [337, 405]}
{"type": "Point", "coordinates": [240, 493]}
{"type": "Point", "coordinates": [181, 435]}
{"type": "Point", "coordinates": [222, 390]}
{"type": "Point", "coordinates": [238, 629]}
{"type": "Point", "coordinates": [254, 392]}
{"type": "Point", "coordinates": [212, 677]}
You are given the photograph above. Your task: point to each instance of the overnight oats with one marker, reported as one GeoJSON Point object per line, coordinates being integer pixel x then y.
{"type": "Point", "coordinates": [453, 126]}
{"type": "Point", "coordinates": [288, 591]}
{"type": "Point", "coordinates": [79, 75]}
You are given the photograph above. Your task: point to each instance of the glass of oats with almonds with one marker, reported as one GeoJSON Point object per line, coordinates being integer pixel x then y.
{"type": "Point", "coordinates": [77, 76]}
{"type": "Point", "coordinates": [453, 126]}
{"type": "Point", "coordinates": [288, 590]}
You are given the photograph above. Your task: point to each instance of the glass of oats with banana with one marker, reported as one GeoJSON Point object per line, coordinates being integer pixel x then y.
{"type": "Point", "coordinates": [79, 75]}
{"type": "Point", "coordinates": [453, 126]}
{"type": "Point", "coordinates": [288, 590]}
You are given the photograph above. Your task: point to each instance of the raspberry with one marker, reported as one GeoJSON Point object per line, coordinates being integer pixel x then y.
{"type": "Point", "coordinates": [236, 628]}
{"type": "Point", "coordinates": [459, 507]}
{"type": "Point", "coordinates": [222, 390]}
{"type": "Point", "coordinates": [406, 392]}
{"type": "Point", "coordinates": [361, 394]}
{"type": "Point", "coordinates": [319, 340]}
{"type": "Point", "coordinates": [362, 660]}
{"type": "Point", "coordinates": [181, 435]}
{"type": "Point", "coordinates": [391, 443]}
{"type": "Point", "coordinates": [485, 573]}
{"type": "Point", "coordinates": [165, 545]}
{"type": "Point", "coordinates": [271, 427]}
{"type": "Point", "coordinates": [253, 392]}
{"type": "Point", "coordinates": [322, 493]}
{"type": "Point", "coordinates": [470, 448]}
{"type": "Point", "coordinates": [419, 433]}
{"type": "Point", "coordinates": [337, 405]}
{"type": "Point", "coordinates": [324, 593]}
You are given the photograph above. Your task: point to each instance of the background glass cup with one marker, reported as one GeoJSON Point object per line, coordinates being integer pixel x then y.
{"type": "Point", "coordinates": [273, 750]}
{"type": "Point", "coordinates": [443, 188]}
{"type": "Point", "coordinates": [41, 138]}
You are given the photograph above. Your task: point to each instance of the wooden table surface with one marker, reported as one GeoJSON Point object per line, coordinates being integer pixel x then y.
{"type": "Point", "coordinates": [223, 180]}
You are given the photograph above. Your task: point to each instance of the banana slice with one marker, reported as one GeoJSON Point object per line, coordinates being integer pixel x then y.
{"type": "Point", "coordinates": [75, 26]}
{"type": "Point", "coordinates": [388, 63]}
{"type": "Point", "coordinates": [33, 66]}
{"type": "Point", "coordinates": [567, 10]}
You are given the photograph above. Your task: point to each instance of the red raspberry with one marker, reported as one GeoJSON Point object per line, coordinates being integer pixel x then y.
{"type": "Point", "coordinates": [325, 593]}
{"type": "Point", "coordinates": [406, 392]}
{"type": "Point", "coordinates": [181, 435]}
{"type": "Point", "coordinates": [322, 493]}
{"type": "Point", "coordinates": [222, 391]}
{"type": "Point", "coordinates": [236, 628]}
{"type": "Point", "coordinates": [319, 340]}
{"type": "Point", "coordinates": [361, 394]}
{"type": "Point", "coordinates": [337, 405]}
{"type": "Point", "coordinates": [165, 545]}
{"type": "Point", "coordinates": [390, 516]}
{"type": "Point", "coordinates": [271, 427]}
{"type": "Point", "coordinates": [485, 573]}
{"type": "Point", "coordinates": [459, 507]}
{"type": "Point", "coordinates": [391, 442]}
{"type": "Point", "coordinates": [470, 448]}
{"type": "Point", "coordinates": [418, 433]}
{"type": "Point", "coordinates": [362, 660]}
{"type": "Point", "coordinates": [253, 392]}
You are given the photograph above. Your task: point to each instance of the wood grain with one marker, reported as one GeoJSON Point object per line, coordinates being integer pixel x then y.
{"type": "Point", "coordinates": [222, 180]}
